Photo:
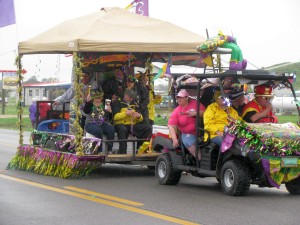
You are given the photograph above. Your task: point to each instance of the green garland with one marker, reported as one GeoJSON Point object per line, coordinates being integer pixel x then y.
{"type": "Point", "coordinates": [77, 62]}
{"type": "Point", "coordinates": [54, 163]}
{"type": "Point", "coordinates": [57, 163]}
{"type": "Point", "coordinates": [279, 141]}
{"type": "Point", "coordinates": [20, 122]}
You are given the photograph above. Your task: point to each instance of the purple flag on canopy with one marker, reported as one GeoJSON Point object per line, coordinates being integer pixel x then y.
{"type": "Point", "coordinates": [7, 13]}
{"type": "Point", "coordinates": [142, 7]}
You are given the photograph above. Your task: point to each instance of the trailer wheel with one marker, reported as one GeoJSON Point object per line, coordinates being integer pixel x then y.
{"type": "Point", "coordinates": [293, 186]}
{"type": "Point", "coordinates": [165, 172]}
{"type": "Point", "coordinates": [235, 178]}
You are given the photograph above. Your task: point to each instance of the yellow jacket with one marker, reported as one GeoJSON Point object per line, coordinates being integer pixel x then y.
{"type": "Point", "coordinates": [120, 116]}
{"type": "Point", "coordinates": [215, 119]}
{"type": "Point", "coordinates": [153, 101]}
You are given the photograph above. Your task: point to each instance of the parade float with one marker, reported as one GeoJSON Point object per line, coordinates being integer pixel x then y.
{"type": "Point", "coordinates": [98, 42]}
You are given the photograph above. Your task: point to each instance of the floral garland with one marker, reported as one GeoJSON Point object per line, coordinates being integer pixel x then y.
{"type": "Point", "coordinates": [255, 139]}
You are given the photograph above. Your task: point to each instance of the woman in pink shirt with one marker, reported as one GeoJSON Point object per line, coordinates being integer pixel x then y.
{"type": "Point", "coordinates": [183, 118]}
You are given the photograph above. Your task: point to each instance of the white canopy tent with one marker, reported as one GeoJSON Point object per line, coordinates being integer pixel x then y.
{"type": "Point", "coordinates": [113, 30]}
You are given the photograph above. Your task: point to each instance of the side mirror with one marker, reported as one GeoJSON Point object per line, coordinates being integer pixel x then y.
{"type": "Point", "coordinates": [294, 76]}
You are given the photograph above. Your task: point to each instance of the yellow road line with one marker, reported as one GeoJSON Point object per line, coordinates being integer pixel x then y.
{"type": "Point", "coordinates": [109, 197]}
{"type": "Point", "coordinates": [102, 201]}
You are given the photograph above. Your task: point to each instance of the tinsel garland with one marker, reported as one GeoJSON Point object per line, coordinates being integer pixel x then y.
{"type": "Point", "coordinates": [54, 163]}
{"type": "Point", "coordinates": [278, 141]}
{"type": "Point", "coordinates": [272, 142]}
{"type": "Point", "coordinates": [20, 122]}
{"type": "Point", "coordinates": [78, 102]}
{"type": "Point", "coordinates": [65, 142]}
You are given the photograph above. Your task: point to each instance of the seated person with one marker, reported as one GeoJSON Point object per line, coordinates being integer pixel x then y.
{"type": "Point", "coordinates": [260, 109]}
{"type": "Point", "coordinates": [127, 119]}
{"type": "Point", "coordinates": [183, 118]}
{"type": "Point", "coordinates": [217, 116]}
{"type": "Point", "coordinates": [44, 107]}
{"type": "Point", "coordinates": [114, 88]}
{"type": "Point", "coordinates": [237, 100]}
{"type": "Point", "coordinates": [87, 84]}
{"type": "Point", "coordinates": [141, 97]}
{"type": "Point", "coordinates": [96, 118]}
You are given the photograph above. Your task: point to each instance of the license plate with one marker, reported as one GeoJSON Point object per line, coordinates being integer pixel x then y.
{"type": "Point", "coordinates": [289, 162]}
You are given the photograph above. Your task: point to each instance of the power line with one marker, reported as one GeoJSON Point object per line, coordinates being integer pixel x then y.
{"type": "Point", "coordinates": [14, 50]}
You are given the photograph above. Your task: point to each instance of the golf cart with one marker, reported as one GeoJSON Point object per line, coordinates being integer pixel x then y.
{"type": "Point", "coordinates": [265, 154]}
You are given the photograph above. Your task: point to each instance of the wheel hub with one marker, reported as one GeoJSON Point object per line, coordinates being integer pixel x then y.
{"type": "Point", "coordinates": [162, 169]}
{"type": "Point", "coordinates": [228, 178]}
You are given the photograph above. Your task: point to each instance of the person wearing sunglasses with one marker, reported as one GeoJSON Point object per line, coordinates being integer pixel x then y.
{"type": "Point", "coordinates": [260, 109]}
{"type": "Point", "coordinates": [216, 116]}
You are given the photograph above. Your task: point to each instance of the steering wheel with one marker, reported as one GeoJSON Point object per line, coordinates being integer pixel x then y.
{"type": "Point", "coordinates": [272, 120]}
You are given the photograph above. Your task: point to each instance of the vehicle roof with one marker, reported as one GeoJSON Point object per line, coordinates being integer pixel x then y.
{"type": "Point", "coordinates": [248, 76]}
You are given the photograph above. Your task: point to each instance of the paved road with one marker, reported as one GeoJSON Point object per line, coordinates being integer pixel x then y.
{"type": "Point", "coordinates": [120, 194]}
{"type": "Point", "coordinates": [11, 116]}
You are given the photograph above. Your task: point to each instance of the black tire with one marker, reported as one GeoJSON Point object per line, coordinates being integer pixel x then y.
{"type": "Point", "coordinates": [50, 144]}
{"type": "Point", "coordinates": [165, 172]}
{"type": "Point", "coordinates": [293, 186]}
{"type": "Point", "coordinates": [235, 178]}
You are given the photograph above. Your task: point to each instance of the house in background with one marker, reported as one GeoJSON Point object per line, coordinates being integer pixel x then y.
{"type": "Point", "coordinates": [50, 90]}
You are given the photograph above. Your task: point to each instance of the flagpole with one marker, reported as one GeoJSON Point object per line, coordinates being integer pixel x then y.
{"type": "Point", "coordinates": [3, 96]}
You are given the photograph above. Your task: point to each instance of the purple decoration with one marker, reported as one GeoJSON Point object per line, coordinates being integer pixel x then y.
{"type": "Point", "coordinates": [227, 142]}
{"type": "Point", "coordinates": [231, 39]}
{"type": "Point", "coordinates": [242, 141]}
{"type": "Point", "coordinates": [238, 65]}
{"type": "Point", "coordinates": [244, 64]}
{"type": "Point", "coordinates": [141, 7]}
{"type": "Point", "coordinates": [266, 166]}
{"type": "Point", "coordinates": [7, 13]}
{"type": "Point", "coordinates": [54, 163]}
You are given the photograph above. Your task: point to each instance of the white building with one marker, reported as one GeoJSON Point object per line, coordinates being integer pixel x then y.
{"type": "Point", "coordinates": [50, 90]}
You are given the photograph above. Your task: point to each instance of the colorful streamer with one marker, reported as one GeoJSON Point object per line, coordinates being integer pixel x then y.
{"type": "Point", "coordinates": [54, 163]}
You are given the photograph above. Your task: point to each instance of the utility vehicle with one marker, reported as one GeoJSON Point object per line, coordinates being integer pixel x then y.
{"type": "Point", "coordinates": [239, 163]}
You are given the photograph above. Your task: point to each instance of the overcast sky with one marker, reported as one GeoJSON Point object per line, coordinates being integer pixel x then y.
{"type": "Point", "coordinates": [267, 31]}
